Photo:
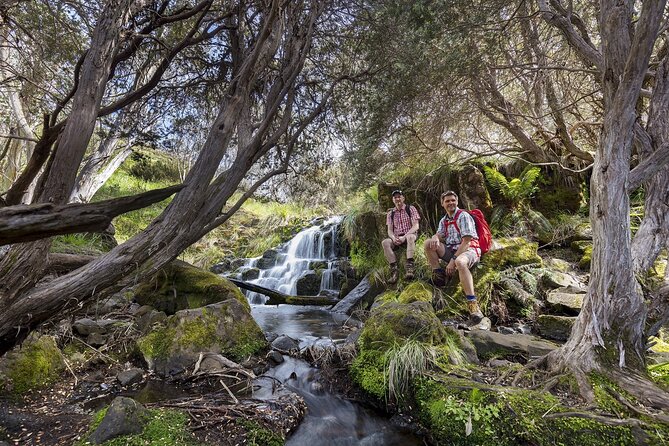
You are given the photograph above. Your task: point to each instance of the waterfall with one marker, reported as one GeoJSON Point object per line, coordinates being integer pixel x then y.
{"type": "Point", "coordinates": [309, 257]}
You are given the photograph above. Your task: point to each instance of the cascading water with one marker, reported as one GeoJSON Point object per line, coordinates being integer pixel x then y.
{"type": "Point", "coordinates": [311, 250]}
{"type": "Point", "coordinates": [307, 265]}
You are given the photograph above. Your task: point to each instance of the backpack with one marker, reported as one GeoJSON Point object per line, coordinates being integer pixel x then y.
{"type": "Point", "coordinates": [482, 229]}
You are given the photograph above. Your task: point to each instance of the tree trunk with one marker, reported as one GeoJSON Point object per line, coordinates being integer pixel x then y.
{"type": "Point", "coordinates": [98, 169]}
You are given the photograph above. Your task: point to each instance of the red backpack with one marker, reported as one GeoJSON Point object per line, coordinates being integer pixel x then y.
{"type": "Point", "coordinates": [482, 229]}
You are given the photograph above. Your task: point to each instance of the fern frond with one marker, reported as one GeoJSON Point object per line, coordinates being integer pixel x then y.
{"type": "Point", "coordinates": [496, 180]}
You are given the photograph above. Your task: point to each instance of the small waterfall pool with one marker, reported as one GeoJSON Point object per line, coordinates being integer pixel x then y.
{"type": "Point", "coordinates": [330, 420]}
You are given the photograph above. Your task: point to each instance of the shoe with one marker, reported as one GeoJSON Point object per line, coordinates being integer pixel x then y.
{"type": "Point", "coordinates": [438, 277]}
{"type": "Point", "coordinates": [394, 275]}
{"type": "Point", "coordinates": [475, 314]}
{"type": "Point", "coordinates": [409, 271]}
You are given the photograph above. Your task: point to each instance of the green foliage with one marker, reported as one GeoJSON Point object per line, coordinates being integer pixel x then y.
{"type": "Point", "coordinates": [88, 244]}
{"type": "Point", "coordinates": [150, 169]}
{"type": "Point", "coordinates": [515, 216]}
{"type": "Point", "coordinates": [405, 361]}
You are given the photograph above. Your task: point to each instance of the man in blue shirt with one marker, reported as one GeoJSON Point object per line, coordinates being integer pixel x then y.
{"type": "Point", "coordinates": [456, 243]}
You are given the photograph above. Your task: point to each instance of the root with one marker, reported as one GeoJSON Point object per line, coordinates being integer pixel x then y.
{"type": "Point", "coordinates": [644, 390]}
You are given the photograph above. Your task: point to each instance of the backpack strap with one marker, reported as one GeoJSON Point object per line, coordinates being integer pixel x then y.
{"type": "Point", "coordinates": [455, 220]}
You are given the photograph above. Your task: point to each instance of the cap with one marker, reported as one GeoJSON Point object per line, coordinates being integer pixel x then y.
{"type": "Point", "coordinates": [397, 192]}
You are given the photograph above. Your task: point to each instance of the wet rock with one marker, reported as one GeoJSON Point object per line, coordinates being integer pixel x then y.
{"type": "Point", "coordinates": [316, 388]}
{"type": "Point", "coordinates": [309, 284]}
{"type": "Point", "coordinates": [361, 296]}
{"type": "Point", "coordinates": [275, 357]}
{"type": "Point", "coordinates": [568, 299]}
{"type": "Point", "coordinates": [249, 273]}
{"type": "Point", "coordinates": [125, 416]}
{"type": "Point", "coordinates": [318, 264]}
{"type": "Point", "coordinates": [268, 259]}
{"type": "Point", "coordinates": [557, 328]}
{"type": "Point", "coordinates": [130, 376]}
{"type": "Point", "coordinates": [353, 337]}
{"type": "Point", "coordinates": [285, 344]}
{"type": "Point", "coordinates": [271, 336]}
{"type": "Point", "coordinates": [505, 330]}
{"type": "Point", "coordinates": [485, 324]}
{"type": "Point", "coordinates": [489, 343]}
{"type": "Point", "coordinates": [522, 328]}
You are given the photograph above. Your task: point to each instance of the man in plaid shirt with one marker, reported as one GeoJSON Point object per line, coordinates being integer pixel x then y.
{"type": "Point", "coordinates": [456, 243]}
{"type": "Point", "coordinates": [402, 222]}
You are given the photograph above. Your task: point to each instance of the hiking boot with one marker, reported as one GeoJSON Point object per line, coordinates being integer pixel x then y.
{"type": "Point", "coordinates": [475, 314]}
{"type": "Point", "coordinates": [409, 271]}
{"type": "Point", "coordinates": [394, 275]}
{"type": "Point", "coordinates": [438, 277]}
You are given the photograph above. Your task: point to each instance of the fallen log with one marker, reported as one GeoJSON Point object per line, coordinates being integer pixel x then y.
{"type": "Point", "coordinates": [277, 297]}
{"type": "Point", "coordinates": [29, 222]}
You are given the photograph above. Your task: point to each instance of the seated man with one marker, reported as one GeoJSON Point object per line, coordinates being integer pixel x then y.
{"type": "Point", "coordinates": [456, 243]}
{"type": "Point", "coordinates": [402, 222]}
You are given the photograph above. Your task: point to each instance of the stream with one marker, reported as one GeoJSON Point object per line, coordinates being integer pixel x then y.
{"type": "Point", "coordinates": [330, 419]}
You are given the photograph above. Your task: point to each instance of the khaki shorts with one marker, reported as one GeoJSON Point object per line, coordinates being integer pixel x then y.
{"type": "Point", "coordinates": [472, 255]}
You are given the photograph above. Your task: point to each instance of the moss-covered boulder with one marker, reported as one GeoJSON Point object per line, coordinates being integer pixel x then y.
{"type": "Point", "coordinates": [36, 364]}
{"type": "Point", "coordinates": [225, 327]}
{"type": "Point", "coordinates": [462, 412]}
{"type": "Point", "coordinates": [179, 286]}
{"type": "Point", "coordinates": [555, 327]}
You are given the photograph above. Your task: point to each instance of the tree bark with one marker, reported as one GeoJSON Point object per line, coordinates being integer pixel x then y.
{"type": "Point", "coordinates": [23, 223]}
{"type": "Point", "coordinates": [277, 297]}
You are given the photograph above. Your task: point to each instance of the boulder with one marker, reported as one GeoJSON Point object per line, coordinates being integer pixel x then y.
{"type": "Point", "coordinates": [566, 299]}
{"type": "Point", "coordinates": [268, 259]}
{"type": "Point", "coordinates": [125, 416]}
{"type": "Point", "coordinates": [146, 320]}
{"type": "Point", "coordinates": [36, 364]}
{"type": "Point", "coordinates": [130, 376]}
{"type": "Point", "coordinates": [249, 273]}
{"type": "Point", "coordinates": [361, 296]}
{"type": "Point", "coordinates": [225, 327]}
{"type": "Point", "coordinates": [285, 344]}
{"type": "Point", "coordinates": [490, 344]}
{"type": "Point", "coordinates": [309, 284]}
{"type": "Point", "coordinates": [557, 328]}
{"type": "Point", "coordinates": [86, 326]}
{"type": "Point", "coordinates": [179, 286]}
{"type": "Point", "coordinates": [556, 279]}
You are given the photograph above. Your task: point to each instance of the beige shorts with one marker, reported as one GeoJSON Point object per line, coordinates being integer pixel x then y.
{"type": "Point", "coordinates": [472, 254]}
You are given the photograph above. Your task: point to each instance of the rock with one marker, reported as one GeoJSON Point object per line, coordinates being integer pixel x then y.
{"type": "Point", "coordinates": [142, 310]}
{"type": "Point", "coordinates": [309, 284]}
{"type": "Point", "coordinates": [522, 328]}
{"type": "Point", "coordinates": [125, 416]}
{"type": "Point", "coordinates": [130, 376]}
{"type": "Point", "coordinates": [567, 299]}
{"type": "Point", "coordinates": [318, 264]}
{"type": "Point", "coordinates": [268, 259]}
{"type": "Point", "coordinates": [361, 296]}
{"type": "Point", "coordinates": [555, 279]}
{"type": "Point", "coordinates": [500, 363]}
{"type": "Point", "coordinates": [489, 343]}
{"type": "Point", "coordinates": [557, 328]}
{"type": "Point", "coordinates": [179, 286]}
{"type": "Point", "coordinates": [353, 337]}
{"type": "Point", "coordinates": [148, 320]}
{"type": "Point", "coordinates": [485, 324]}
{"type": "Point", "coordinates": [225, 327]}
{"type": "Point", "coordinates": [36, 364]}
{"type": "Point", "coordinates": [249, 273]}
{"type": "Point", "coordinates": [275, 357]}
{"type": "Point", "coordinates": [86, 326]}
{"type": "Point", "coordinates": [96, 339]}
{"type": "Point", "coordinates": [505, 330]}
{"type": "Point", "coordinates": [285, 344]}
{"type": "Point", "coordinates": [271, 336]}
{"type": "Point", "coordinates": [557, 264]}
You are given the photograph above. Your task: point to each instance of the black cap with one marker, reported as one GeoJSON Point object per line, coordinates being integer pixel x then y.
{"type": "Point", "coordinates": [396, 192]}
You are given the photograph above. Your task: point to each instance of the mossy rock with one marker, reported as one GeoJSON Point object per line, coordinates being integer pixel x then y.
{"type": "Point", "coordinates": [585, 261]}
{"type": "Point", "coordinates": [511, 251]}
{"type": "Point", "coordinates": [510, 417]}
{"type": "Point", "coordinates": [35, 365]}
{"type": "Point", "coordinates": [225, 327]}
{"type": "Point", "coordinates": [180, 286]}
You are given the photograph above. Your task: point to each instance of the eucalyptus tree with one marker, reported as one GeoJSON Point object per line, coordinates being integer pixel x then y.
{"type": "Point", "coordinates": [268, 94]}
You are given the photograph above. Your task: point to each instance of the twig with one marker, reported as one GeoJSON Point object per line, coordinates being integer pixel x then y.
{"type": "Point", "coordinates": [234, 398]}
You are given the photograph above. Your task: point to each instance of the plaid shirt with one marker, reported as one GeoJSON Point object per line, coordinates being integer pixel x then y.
{"type": "Point", "coordinates": [450, 236]}
{"type": "Point", "coordinates": [400, 221]}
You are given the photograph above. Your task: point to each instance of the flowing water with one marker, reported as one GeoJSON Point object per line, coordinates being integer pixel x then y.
{"type": "Point", "coordinates": [330, 420]}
